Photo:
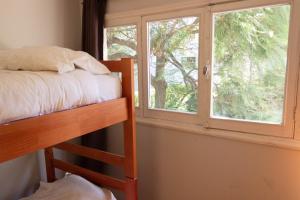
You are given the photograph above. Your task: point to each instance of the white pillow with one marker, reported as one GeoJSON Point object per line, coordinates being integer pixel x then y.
{"type": "Point", "coordinates": [37, 59]}
{"type": "Point", "coordinates": [87, 62]}
{"type": "Point", "coordinates": [70, 187]}
{"type": "Point", "coordinates": [50, 58]}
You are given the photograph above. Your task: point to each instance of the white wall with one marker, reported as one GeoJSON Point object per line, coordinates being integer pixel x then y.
{"type": "Point", "coordinates": [29, 23]}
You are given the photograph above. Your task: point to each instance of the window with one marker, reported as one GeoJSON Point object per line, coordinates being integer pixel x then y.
{"type": "Point", "coordinates": [229, 66]}
{"type": "Point", "coordinates": [173, 64]}
{"type": "Point", "coordinates": [121, 42]}
{"type": "Point", "coordinates": [249, 59]}
{"type": "Point", "coordinates": [249, 63]}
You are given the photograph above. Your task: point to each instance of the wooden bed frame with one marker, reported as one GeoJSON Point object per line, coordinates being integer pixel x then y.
{"type": "Point", "coordinates": [53, 130]}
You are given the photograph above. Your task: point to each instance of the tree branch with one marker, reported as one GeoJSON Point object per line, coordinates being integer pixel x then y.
{"type": "Point", "coordinates": [186, 76]}
{"type": "Point", "coordinates": [127, 43]}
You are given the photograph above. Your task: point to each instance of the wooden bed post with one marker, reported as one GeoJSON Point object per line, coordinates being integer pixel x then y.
{"type": "Point", "coordinates": [49, 164]}
{"type": "Point", "coordinates": [130, 131]}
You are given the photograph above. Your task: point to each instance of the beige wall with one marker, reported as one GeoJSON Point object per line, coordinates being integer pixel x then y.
{"type": "Point", "coordinates": [39, 22]}
{"type": "Point", "coordinates": [28, 23]}
{"type": "Point", "coordinates": [178, 165]}
{"type": "Point", "coordinates": [115, 6]}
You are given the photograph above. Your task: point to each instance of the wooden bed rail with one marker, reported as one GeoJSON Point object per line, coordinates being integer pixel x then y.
{"type": "Point", "coordinates": [95, 154]}
{"type": "Point", "coordinates": [128, 185]}
{"type": "Point", "coordinates": [26, 136]}
{"type": "Point", "coordinates": [96, 177]}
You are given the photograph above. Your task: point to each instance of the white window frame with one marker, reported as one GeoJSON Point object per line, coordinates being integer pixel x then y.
{"type": "Point", "coordinates": [287, 127]}
{"type": "Point", "coordinates": [286, 132]}
{"type": "Point", "coordinates": [110, 23]}
{"type": "Point", "coordinates": [169, 114]}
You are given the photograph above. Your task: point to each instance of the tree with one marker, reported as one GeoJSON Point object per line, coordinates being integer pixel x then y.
{"type": "Point", "coordinates": [167, 38]}
{"type": "Point", "coordinates": [250, 62]}
{"type": "Point", "coordinates": [122, 43]}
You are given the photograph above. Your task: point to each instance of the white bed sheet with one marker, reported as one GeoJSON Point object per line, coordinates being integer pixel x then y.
{"type": "Point", "coordinates": [71, 187]}
{"type": "Point", "coordinates": [25, 94]}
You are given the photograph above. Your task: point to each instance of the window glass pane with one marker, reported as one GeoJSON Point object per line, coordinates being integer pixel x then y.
{"type": "Point", "coordinates": [249, 63]}
{"type": "Point", "coordinates": [121, 42]}
{"type": "Point", "coordinates": [173, 64]}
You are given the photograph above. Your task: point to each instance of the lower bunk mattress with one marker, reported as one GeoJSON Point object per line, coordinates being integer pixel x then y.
{"type": "Point", "coordinates": [25, 94]}
{"type": "Point", "coordinates": [71, 187]}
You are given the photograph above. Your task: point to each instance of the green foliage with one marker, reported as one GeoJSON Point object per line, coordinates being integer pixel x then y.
{"type": "Point", "coordinates": [181, 99]}
{"type": "Point", "coordinates": [250, 48]}
{"type": "Point", "coordinates": [250, 63]}
{"type": "Point", "coordinates": [122, 43]}
{"type": "Point", "coordinates": [172, 43]}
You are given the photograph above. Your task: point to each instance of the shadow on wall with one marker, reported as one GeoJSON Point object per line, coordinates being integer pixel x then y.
{"type": "Point", "coordinates": [16, 174]}
{"type": "Point", "coordinates": [2, 46]}
{"type": "Point", "coordinates": [72, 24]}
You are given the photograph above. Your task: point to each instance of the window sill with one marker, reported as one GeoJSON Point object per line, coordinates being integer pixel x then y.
{"type": "Point", "coordinates": [287, 143]}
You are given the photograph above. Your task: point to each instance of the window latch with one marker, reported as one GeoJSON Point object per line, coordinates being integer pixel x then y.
{"type": "Point", "coordinates": [206, 70]}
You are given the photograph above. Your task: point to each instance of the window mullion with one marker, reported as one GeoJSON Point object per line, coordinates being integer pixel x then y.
{"type": "Point", "coordinates": [201, 80]}
{"type": "Point", "coordinates": [140, 66]}
{"type": "Point", "coordinates": [205, 57]}
{"type": "Point", "coordinates": [145, 81]}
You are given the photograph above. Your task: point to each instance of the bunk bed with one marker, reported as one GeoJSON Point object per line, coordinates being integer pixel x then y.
{"type": "Point", "coordinates": [52, 130]}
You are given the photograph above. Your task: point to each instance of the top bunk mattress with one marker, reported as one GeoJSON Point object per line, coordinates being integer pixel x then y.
{"type": "Point", "coordinates": [25, 94]}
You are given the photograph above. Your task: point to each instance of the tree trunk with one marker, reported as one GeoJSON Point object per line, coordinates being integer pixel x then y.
{"type": "Point", "coordinates": [159, 83]}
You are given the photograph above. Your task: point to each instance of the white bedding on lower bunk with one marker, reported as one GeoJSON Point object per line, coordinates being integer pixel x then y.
{"type": "Point", "coordinates": [25, 94]}
{"type": "Point", "coordinates": [71, 187]}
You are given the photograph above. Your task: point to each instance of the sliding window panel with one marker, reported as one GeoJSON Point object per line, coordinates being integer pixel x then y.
{"type": "Point", "coordinates": [171, 54]}
{"type": "Point", "coordinates": [122, 40]}
{"type": "Point", "coordinates": [253, 78]}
